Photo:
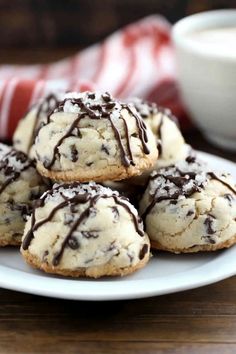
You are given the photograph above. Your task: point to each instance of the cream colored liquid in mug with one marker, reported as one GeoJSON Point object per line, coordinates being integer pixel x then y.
{"type": "Point", "coordinates": [216, 40]}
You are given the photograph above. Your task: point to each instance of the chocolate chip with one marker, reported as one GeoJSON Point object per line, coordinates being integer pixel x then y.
{"type": "Point", "coordinates": [106, 97]}
{"type": "Point", "coordinates": [46, 163]}
{"type": "Point", "coordinates": [178, 181]}
{"type": "Point", "coordinates": [208, 223]}
{"type": "Point", "coordinates": [68, 219]}
{"type": "Point", "coordinates": [190, 212]}
{"type": "Point", "coordinates": [89, 164]}
{"type": "Point", "coordinates": [143, 251]}
{"type": "Point", "coordinates": [229, 197]}
{"type": "Point", "coordinates": [92, 212]}
{"type": "Point", "coordinates": [9, 170]}
{"type": "Point", "coordinates": [46, 253]}
{"type": "Point", "coordinates": [105, 149]}
{"type": "Point", "coordinates": [90, 234]}
{"type": "Point", "coordinates": [24, 209]}
{"type": "Point", "coordinates": [105, 114]}
{"type": "Point", "coordinates": [111, 247]}
{"type": "Point", "coordinates": [173, 202]}
{"type": "Point", "coordinates": [73, 243]}
{"type": "Point", "coordinates": [116, 213]}
{"type": "Point", "coordinates": [20, 156]}
{"type": "Point", "coordinates": [190, 159]}
{"type": "Point", "coordinates": [74, 153]}
{"type": "Point", "coordinates": [209, 239]}
{"type": "Point", "coordinates": [110, 105]}
{"type": "Point", "coordinates": [131, 258]}
{"type": "Point", "coordinates": [91, 96]}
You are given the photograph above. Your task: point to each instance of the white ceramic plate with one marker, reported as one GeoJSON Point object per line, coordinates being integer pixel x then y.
{"type": "Point", "coordinates": [166, 273]}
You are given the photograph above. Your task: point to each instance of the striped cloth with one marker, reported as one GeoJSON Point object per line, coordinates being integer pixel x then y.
{"type": "Point", "coordinates": [137, 60]}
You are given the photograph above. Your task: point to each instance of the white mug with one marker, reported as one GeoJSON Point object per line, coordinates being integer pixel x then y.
{"type": "Point", "coordinates": [207, 78]}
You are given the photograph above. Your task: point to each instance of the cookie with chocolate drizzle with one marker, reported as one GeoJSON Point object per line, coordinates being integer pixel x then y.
{"type": "Point", "coordinates": [28, 127]}
{"type": "Point", "coordinates": [85, 230]}
{"type": "Point", "coordinates": [20, 185]}
{"type": "Point", "coordinates": [169, 140]}
{"type": "Point", "coordinates": [187, 208]}
{"type": "Point", "coordinates": [92, 136]}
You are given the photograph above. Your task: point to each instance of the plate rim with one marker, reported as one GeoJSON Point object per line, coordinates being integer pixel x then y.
{"type": "Point", "coordinates": [73, 290]}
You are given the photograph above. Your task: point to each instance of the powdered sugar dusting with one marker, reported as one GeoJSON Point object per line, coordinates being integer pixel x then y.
{"type": "Point", "coordinates": [60, 192]}
{"type": "Point", "coordinates": [69, 103]}
{"type": "Point", "coordinates": [17, 161]}
{"type": "Point", "coordinates": [147, 109]}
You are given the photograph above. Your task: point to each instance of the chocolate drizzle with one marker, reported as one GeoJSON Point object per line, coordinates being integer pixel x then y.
{"type": "Point", "coordinates": [80, 198]}
{"type": "Point", "coordinates": [8, 168]}
{"type": "Point", "coordinates": [48, 164]}
{"type": "Point", "coordinates": [107, 109]}
{"type": "Point", "coordinates": [136, 220]}
{"type": "Point", "coordinates": [172, 183]}
{"type": "Point", "coordinates": [142, 129]}
{"type": "Point", "coordinates": [143, 251]}
{"type": "Point", "coordinates": [156, 200]}
{"type": "Point", "coordinates": [128, 142]}
{"type": "Point", "coordinates": [46, 107]}
{"type": "Point", "coordinates": [159, 134]}
{"type": "Point", "coordinates": [212, 175]}
{"type": "Point", "coordinates": [124, 158]}
{"type": "Point", "coordinates": [147, 110]}
{"type": "Point", "coordinates": [229, 198]}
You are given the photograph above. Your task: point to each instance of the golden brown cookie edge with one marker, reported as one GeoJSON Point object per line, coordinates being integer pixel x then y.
{"type": "Point", "coordinates": [91, 272]}
{"type": "Point", "coordinates": [155, 245]}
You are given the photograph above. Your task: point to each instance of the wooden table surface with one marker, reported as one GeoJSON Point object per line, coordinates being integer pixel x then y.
{"type": "Point", "coordinates": [198, 321]}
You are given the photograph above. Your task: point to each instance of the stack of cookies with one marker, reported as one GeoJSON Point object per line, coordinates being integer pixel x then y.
{"type": "Point", "coordinates": [96, 151]}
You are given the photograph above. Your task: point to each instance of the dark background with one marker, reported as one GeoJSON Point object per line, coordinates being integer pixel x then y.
{"type": "Point", "coordinates": [200, 321]}
{"type": "Point", "coordinates": [70, 23]}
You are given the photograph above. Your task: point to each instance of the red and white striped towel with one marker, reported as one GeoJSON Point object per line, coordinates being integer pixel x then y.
{"type": "Point", "coordinates": [137, 60]}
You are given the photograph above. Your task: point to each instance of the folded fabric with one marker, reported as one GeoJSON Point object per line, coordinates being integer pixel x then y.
{"type": "Point", "coordinates": [137, 60]}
